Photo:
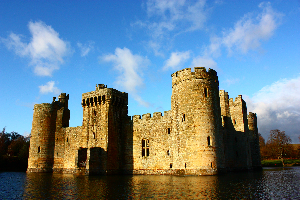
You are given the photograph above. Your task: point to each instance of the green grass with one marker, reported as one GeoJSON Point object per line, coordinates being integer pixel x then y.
{"type": "Point", "coordinates": [278, 163]}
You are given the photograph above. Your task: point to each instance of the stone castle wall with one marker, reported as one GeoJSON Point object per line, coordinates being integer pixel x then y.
{"type": "Point", "coordinates": [205, 132]}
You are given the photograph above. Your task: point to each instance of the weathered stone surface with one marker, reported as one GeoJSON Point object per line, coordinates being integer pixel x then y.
{"type": "Point", "coordinates": [204, 133]}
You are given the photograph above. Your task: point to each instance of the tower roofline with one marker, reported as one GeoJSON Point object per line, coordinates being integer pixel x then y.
{"type": "Point", "coordinates": [199, 73]}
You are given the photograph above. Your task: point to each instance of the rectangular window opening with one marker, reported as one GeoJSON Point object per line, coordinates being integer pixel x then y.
{"type": "Point", "coordinates": [145, 148]}
{"type": "Point", "coordinates": [208, 141]}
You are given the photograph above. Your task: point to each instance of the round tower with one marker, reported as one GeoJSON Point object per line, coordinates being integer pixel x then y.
{"type": "Point", "coordinates": [197, 138]}
{"type": "Point", "coordinates": [42, 141]}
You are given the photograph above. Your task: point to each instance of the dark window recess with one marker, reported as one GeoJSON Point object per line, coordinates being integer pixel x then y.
{"type": "Point", "coordinates": [67, 139]}
{"type": "Point", "coordinates": [208, 141]}
{"type": "Point", "coordinates": [184, 165]}
{"type": "Point", "coordinates": [145, 148]}
{"type": "Point", "coordinates": [183, 117]}
{"type": "Point", "coordinates": [39, 149]}
{"type": "Point", "coordinates": [171, 165]}
{"type": "Point", "coordinates": [94, 136]}
{"type": "Point", "coordinates": [82, 157]}
{"type": "Point", "coordinates": [205, 92]}
{"type": "Point", "coordinates": [168, 152]}
{"type": "Point", "coordinates": [169, 130]}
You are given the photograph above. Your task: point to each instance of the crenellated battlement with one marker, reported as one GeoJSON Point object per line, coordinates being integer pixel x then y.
{"type": "Point", "coordinates": [103, 95]}
{"type": "Point", "coordinates": [157, 116]}
{"type": "Point", "coordinates": [199, 73]}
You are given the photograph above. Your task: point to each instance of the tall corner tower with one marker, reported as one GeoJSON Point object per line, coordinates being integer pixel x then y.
{"type": "Point", "coordinates": [48, 119]}
{"type": "Point", "coordinates": [195, 104]}
{"type": "Point", "coordinates": [42, 139]}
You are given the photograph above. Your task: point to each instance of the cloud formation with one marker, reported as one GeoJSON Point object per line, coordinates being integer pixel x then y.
{"type": "Point", "coordinates": [277, 107]}
{"type": "Point", "coordinates": [176, 60]}
{"type": "Point", "coordinates": [45, 50]}
{"type": "Point", "coordinates": [49, 88]}
{"type": "Point", "coordinates": [247, 33]}
{"type": "Point", "coordinates": [175, 16]}
{"type": "Point", "coordinates": [130, 68]}
{"type": "Point", "coordinates": [85, 48]}
{"type": "Point", "coordinates": [169, 18]}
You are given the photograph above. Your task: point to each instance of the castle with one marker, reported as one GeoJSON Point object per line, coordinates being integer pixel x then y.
{"type": "Point", "coordinates": [204, 133]}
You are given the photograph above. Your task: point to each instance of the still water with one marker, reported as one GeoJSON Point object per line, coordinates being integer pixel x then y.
{"type": "Point", "coordinates": [271, 183]}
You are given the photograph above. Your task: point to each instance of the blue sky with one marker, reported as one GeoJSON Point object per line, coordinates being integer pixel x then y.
{"type": "Point", "coordinates": [48, 47]}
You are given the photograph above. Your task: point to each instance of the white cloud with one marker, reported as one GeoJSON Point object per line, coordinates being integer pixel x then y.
{"type": "Point", "coordinates": [49, 88]}
{"type": "Point", "coordinates": [277, 107]}
{"type": "Point", "coordinates": [176, 60]}
{"type": "Point", "coordinates": [176, 15]}
{"type": "Point", "coordinates": [85, 48]}
{"type": "Point", "coordinates": [204, 62]}
{"type": "Point", "coordinates": [130, 69]}
{"type": "Point", "coordinates": [45, 50]}
{"type": "Point", "coordinates": [248, 32]}
{"type": "Point", "coordinates": [169, 18]}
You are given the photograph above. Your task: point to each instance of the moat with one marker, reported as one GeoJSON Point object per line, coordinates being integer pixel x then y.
{"type": "Point", "coordinates": [271, 183]}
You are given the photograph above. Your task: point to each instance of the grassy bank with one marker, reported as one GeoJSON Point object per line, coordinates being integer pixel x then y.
{"type": "Point", "coordinates": [278, 163]}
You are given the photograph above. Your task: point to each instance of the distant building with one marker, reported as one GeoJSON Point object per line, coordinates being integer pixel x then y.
{"type": "Point", "coordinates": [204, 133]}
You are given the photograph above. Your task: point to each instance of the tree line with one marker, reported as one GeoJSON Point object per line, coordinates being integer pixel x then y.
{"type": "Point", "coordinates": [278, 146]}
{"type": "Point", "coordinates": [14, 151]}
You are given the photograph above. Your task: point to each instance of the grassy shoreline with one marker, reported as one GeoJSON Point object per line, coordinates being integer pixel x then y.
{"type": "Point", "coordinates": [278, 163]}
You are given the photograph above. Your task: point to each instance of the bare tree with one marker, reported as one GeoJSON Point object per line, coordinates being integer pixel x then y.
{"type": "Point", "coordinates": [278, 144]}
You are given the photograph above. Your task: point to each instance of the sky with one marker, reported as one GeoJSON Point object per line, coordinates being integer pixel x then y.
{"type": "Point", "coordinates": [49, 47]}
